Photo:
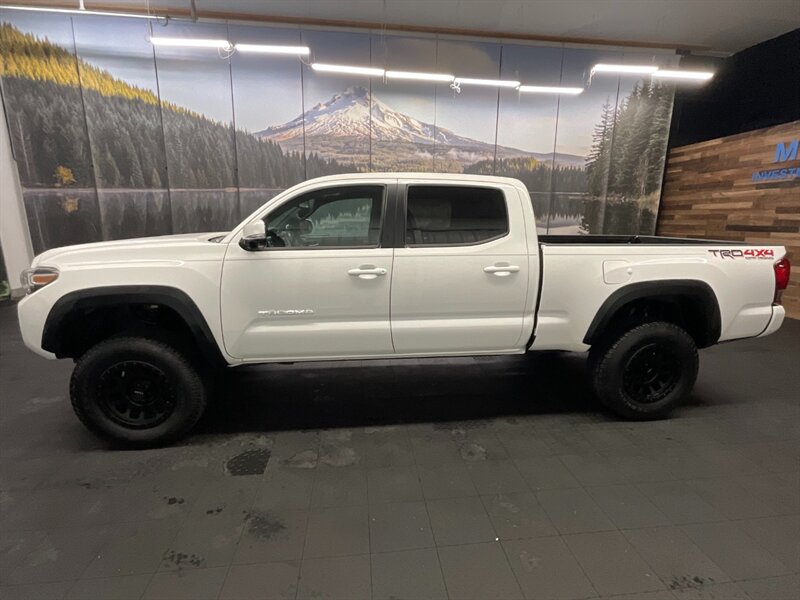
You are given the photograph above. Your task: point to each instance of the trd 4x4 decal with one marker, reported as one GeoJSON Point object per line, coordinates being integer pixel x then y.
{"type": "Point", "coordinates": [767, 253]}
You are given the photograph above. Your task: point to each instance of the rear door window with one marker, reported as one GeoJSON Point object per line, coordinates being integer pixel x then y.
{"type": "Point", "coordinates": [443, 215]}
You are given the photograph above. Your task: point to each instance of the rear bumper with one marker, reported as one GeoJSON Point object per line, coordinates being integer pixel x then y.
{"type": "Point", "coordinates": [775, 322]}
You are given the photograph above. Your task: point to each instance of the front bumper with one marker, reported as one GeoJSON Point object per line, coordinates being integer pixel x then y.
{"type": "Point", "coordinates": [32, 312]}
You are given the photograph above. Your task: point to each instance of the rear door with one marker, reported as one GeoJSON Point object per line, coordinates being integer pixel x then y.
{"type": "Point", "coordinates": [461, 272]}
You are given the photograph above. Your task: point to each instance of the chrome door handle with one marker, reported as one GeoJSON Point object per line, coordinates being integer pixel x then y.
{"type": "Point", "coordinates": [501, 270]}
{"type": "Point", "coordinates": [367, 272]}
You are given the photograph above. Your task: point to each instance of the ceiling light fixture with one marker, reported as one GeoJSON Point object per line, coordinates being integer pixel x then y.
{"type": "Point", "coordinates": [270, 49]}
{"type": "Point", "coordinates": [190, 42]}
{"type": "Point", "coordinates": [371, 71]}
{"type": "Point", "coordinates": [546, 89]}
{"type": "Point", "coordinates": [81, 11]}
{"type": "Point", "coordinates": [488, 82]}
{"type": "Point", "coordinates": [419, 76]}
{"type": "Point", "coordinates": [625, 69]}
{"type": "Point", "coordinates": [693, 75]}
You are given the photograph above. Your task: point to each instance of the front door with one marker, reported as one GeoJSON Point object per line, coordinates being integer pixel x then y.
{"type": "Point", "coordinates": [321, 287]}
{"type": "Point", "coordinates": [460, 283]}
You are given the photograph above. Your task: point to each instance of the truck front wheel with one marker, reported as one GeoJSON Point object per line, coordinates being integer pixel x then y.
{"type": "Point", "coordinates": [137, 391]}
{"type": "Point", "coordinates": [645, 372]}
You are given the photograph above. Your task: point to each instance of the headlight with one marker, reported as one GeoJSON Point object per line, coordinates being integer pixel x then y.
{"type": "Point", "coordinates": [35, 279]}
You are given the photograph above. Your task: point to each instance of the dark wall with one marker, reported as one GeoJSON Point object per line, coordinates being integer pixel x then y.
{"type": "Point", "coordinates": [755, 88]}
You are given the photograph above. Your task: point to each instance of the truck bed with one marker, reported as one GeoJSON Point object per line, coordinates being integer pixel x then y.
{"type": "Point", "coordinates": [646, 240]}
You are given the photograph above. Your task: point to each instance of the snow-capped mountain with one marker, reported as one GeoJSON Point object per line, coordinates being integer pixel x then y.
{"type": "Point", "coordinates": [350, 116]}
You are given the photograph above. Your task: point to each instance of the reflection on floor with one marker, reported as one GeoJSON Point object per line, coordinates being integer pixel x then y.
{"type": "Point", "coordinates": [486, 478]}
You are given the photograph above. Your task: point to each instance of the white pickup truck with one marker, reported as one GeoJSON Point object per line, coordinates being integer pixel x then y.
{"type": "Point", "coordinates": [386, 265]}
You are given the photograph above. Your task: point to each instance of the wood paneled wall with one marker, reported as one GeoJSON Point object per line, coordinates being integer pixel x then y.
{"type": "Point", "coordinates": [709, 192]}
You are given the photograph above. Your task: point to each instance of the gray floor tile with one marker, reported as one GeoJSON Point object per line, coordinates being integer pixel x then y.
{"type": "Point", "coordinates": [208, 541]}
{"type": "Point", "coordinates": [680, 503]}
{"type": "Point", "coordinates": [594, 469]}
{"type": "Point", "coordinates": [129, 587]}
{"type": "Point", "coordinates": [390, 449]}
{"type": "Point", "coordinates": [337, 531]}
{"type": "Point", "coordinates": [43, 509]}
{"type": "Point", "coordinates": [736, 500]}
{"type": "Point", "coordinates": [264, 581]}
{"type": "Point", "coordinates": [675, 558]}
{"type": "Point", "coordinates": [721, 591]}
{"type": "Point", "coordinates": [451, 481]}
{"type": "Point", "coordinates": [524, 444]}
{"type": "Point", "coordinates": [346, 486]}
{"type": "Point", "coordinates": [413, 574]}
{"type": "Point", "coordinates": [435, 450]}
{"type": "Point", "coordinates": [662, 595]}
{"type": "Point", "coordinates": [399, 526]}
{"type": "Point", "coordinates": [226, 499]}
{"type": "Point", "coordinates": [545, 568]}
{"type": "Point", "coordinates": [478, 572]}
{"type": "Point", "coordinates": [734, 551]}
{"type": "Point", "coordinates": [779, 535]}
{"type": "Point", "coordinates": [774, 588]}
{"type": "Point", "coordinates": [627, 506]}
{"type": "Point", "coordinates": [197, 584]}
{"type": "Point", "coordinates": [15, 546]}
{"type": "Point", "coordinates": [340, 578]}
{"type": "Point", "coordinates": [393, 484]}
{"type": "Point", "coordinates": [516, 516]}
{"type": "Point", "coordinates": [60, 554]}
{"type": "Point", "coordinates": [132, 549]}
{"type": "Point", "coordinates": [35, 591]}
{"type": "Point", "coordinates": [573, 511]}
{"type": "Point", "coordinates": [272, 535]}
{"type": "Point", "coordinates": [545, 473]}
{"type": "Point", "coordinates": [288, 488]}
{"type": "Point", "coordinates": [460, 521]}
{"type": "Point", "coordinates": [612, 564]}
{"type": "Point", "coordinates": [496, 477]}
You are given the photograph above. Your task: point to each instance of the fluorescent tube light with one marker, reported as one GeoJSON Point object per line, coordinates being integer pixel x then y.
{"type": "Point", "coordinates": [419, 76]}
{"type": "Point", "coordinates": [80, 11]}
{"type": "Point", "coordinates": [269, 49]}
{"type": "Point", "coordinates": [491, 82]}
{"type": "Point", "coordinates": [695, 75]}
{"type": "Point", "coordinates": [630, 69]}
{"type": "Point", "coordinates": [347, 69]}
{"type": "Point", "coordinates": [546, 89]}
{"type": "Point", "coordinates": [190, 42]}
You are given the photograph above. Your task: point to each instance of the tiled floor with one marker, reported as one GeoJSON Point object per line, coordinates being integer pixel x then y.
{"type": "Point", "coordinates": [475, 479]}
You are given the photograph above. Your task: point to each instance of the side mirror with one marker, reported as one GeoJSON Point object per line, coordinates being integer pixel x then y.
{"type": "Point", "coordinates": [254, 236]}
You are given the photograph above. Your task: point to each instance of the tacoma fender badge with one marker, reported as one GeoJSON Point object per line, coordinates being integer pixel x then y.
{"type": "Point", "coordinates": [290, 312]}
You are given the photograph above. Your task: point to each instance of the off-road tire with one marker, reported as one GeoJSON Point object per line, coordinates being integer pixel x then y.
{"type": "Point", "coordinates": [176, 378]}
{"type": "Point", "coordinates": [620, 370]}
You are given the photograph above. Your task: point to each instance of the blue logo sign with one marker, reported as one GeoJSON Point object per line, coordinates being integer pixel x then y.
{"type": "Point", "coordinates": [784, 152]}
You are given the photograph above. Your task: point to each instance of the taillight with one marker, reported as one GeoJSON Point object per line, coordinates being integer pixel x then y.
{"type": "Point", "coordinates": [782, 271]}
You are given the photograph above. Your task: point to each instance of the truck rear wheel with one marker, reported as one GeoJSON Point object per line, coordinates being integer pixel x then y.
{"type": "Point", "coordinates": [645, 372]}
{"type": "Point", "coordinates": [137, 391]}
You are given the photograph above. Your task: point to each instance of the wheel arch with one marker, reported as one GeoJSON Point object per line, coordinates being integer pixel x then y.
{"type": "Point", "coordinates": [67, 312]}
{"type": "Point", "coordinates": [691, 303]}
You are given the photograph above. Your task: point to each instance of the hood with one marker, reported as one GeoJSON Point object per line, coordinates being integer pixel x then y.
{"type": "Point", "coordinates": [183, 246]}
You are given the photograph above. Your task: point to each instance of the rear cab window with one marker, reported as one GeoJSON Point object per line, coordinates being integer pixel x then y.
{"type": "Point", "coordinates": [448, 215]}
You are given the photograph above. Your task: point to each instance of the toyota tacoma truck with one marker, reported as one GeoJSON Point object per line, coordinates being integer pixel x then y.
{"type": "Point", "coordinates": [386, 266]}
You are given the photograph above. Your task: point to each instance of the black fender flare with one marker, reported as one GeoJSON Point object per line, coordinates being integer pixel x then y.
{"type": "Point", "coordinates": [170, 297]}
{"type": "Point", "coordinates": [698, 291]}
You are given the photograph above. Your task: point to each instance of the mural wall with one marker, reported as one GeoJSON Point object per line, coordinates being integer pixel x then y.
{"type": "Point", "coordinates": [117, 138]}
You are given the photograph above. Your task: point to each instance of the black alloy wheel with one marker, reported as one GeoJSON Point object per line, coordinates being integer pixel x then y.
{"type": "Point", "coordinates": [136, 394]}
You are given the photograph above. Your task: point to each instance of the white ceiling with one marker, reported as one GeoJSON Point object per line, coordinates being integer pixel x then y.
{"type": "Point", "coordinates": [720, 25]}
